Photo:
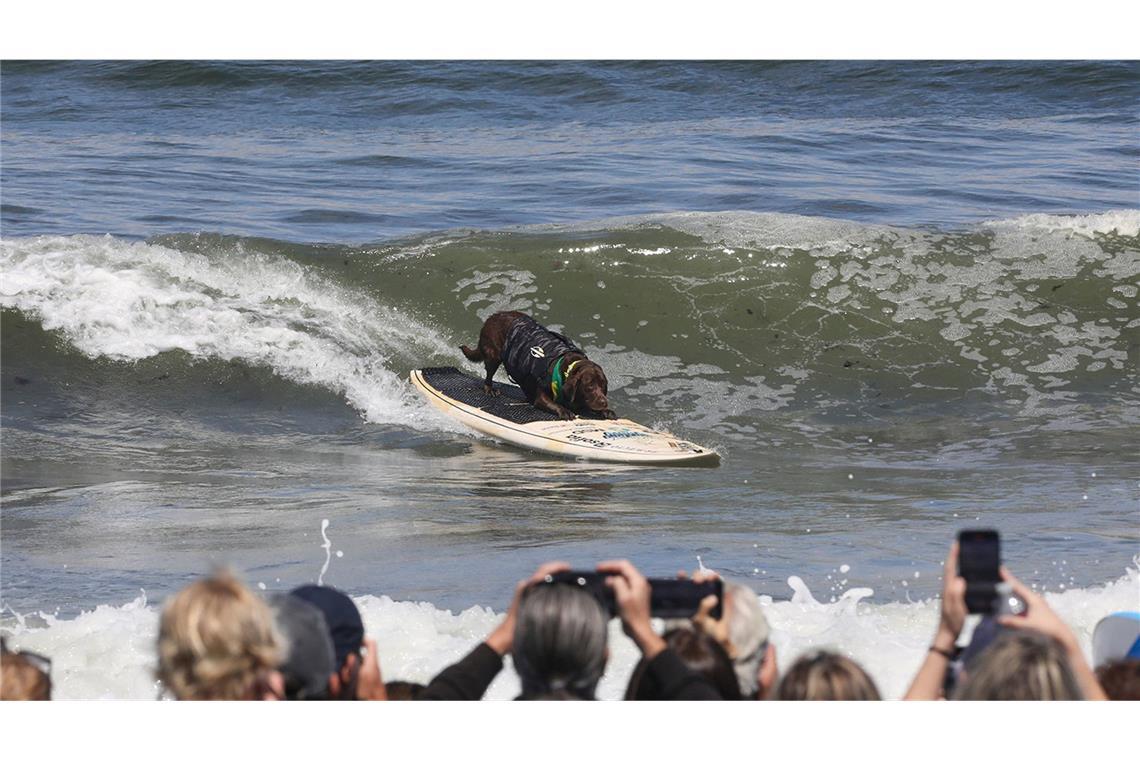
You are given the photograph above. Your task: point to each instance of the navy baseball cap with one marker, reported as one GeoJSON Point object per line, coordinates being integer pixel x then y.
{"type": "Point", "coordinates": [341, 616]}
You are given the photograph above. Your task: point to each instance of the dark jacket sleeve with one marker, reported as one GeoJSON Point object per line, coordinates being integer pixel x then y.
{"type": "Point", "coordinates": [466, 679]}
{"type": "Point", "coordinates": [673, 679]}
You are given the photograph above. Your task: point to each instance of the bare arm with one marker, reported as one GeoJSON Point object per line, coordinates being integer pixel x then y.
{"type": "Point", "coordinates": [927, 684]}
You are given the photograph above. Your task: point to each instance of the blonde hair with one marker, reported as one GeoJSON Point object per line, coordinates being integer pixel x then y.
{"type": "Point", "coordinates": [1020, 665]}
{"type": "Point", "coordinates": [826, 676]}
{"type": "Point", "coordinates": [216, 640]}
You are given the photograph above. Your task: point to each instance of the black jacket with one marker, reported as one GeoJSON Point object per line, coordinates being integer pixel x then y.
{"type": "Point", "coordinates": [469, 678]}
{"type": "Point", "coordinates": [530, 351]}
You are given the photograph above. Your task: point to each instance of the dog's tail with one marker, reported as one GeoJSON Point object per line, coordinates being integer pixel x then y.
{"type": "Point", "coordinates": [473, 355]}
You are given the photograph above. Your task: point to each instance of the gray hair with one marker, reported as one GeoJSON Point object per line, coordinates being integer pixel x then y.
{"type": "Point", "coordinates": [560, 642]}
{"type": "Point", "coordinates": [748, 633]}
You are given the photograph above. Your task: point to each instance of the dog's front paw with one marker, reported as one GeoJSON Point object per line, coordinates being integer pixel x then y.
{"type": "Point", "coordinates": [565, 414]}
{"type": "Point", "coordinates": [491, 390]}
{"type": "Point", "coordinates": [609, 415]}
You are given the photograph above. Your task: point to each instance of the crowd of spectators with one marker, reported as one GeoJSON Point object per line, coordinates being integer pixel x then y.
{"type": "Point", "coordinates": [219, 640]}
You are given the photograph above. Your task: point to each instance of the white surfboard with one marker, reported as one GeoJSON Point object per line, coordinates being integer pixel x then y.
{"type": "Point", "coordinates": [510, 418]}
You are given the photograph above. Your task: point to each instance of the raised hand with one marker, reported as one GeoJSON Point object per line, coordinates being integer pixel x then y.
{"type": "Point", "coordinates": [503, 637]}
{"type": "Point", "coordinates": [632, 594]}
{"type": "Point", "coordinates": [370, 684]}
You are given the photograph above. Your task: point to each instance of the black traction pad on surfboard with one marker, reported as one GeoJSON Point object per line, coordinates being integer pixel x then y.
{"type": "Point", "coordinates": [510, 404]}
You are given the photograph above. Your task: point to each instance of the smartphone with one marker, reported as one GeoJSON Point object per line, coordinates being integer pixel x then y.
{"type": "Point", "coordinates": [670, 597]}
{"type": "Point", "coordinates": [675, 598]}
{"type": "Point", "coordinates": [979, 557]}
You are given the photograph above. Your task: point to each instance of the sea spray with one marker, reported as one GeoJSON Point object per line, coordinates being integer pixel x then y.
{"type": "Point", "coordinates": [128, 301]}
{"type": "Point", "coordinates": [327, 546]}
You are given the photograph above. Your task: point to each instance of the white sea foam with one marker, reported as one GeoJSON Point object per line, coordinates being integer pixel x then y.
{"type": "Point", "coordinates": [131, 300]}
{"type": "Point", "coordinates": [1121, 222]}
{"type": "Point", "coordinates": [108, 652]}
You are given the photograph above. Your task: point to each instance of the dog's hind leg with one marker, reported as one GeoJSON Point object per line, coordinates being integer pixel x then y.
{"type": "Point", "coordinates": [488, 386]}
{"type": "Point", "coordinates": [492, 365]}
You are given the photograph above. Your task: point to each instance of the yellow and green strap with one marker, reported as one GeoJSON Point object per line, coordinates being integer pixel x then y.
{"type": "Point", "coordinates": [558, 379]}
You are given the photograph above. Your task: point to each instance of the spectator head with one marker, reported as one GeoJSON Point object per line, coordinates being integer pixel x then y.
{"type": "Point", "coordinates": [559, 642]}
{"type": "Point", "coordinates": [24, 676]}
{"type": "Point", "coordinates": [346, 629]}
{"type": "Point", "coordinates": [748, 634]}
{"type": "Point", "coordinates": [701, 654]}
{"type": "Point", "coordinates": [826, 676]}
{"type": "Point", "coordinates": [309, 658]}
{"type": "Point", "coordinates": [1116, 637]}
{"type": "Point", "coordinates": [403, 691]}
{"type": "Point", "coordinates": [745, 638]}
{"type": "Point", "coordinates": [217, 640]}
{"type": "Point", "coordinates": [1019, 665]}
{"type": "Point", "coordinates": [1120, 679]}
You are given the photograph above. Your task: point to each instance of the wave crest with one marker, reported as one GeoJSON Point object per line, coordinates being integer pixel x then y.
{"type": "Point", "coordinates": [133, 300]}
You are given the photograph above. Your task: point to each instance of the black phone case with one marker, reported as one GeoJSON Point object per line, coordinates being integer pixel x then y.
{"type": "Point", "coordinates": [671, 598]}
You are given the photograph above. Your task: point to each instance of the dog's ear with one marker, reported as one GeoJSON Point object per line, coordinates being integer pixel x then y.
{"type": "Point", "coordinates": [595, 387]}
{"type": "Point", "coordinates": [578, 383]}
{"type": "Point", "coordinates": [603, 383]}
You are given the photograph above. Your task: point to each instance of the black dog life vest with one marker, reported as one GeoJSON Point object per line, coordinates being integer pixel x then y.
{"type": "Point", "coordinates": [529, 352]}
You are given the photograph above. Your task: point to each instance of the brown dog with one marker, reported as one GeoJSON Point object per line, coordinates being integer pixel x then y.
{"type": "Point", "coordinates": [553, 372]}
